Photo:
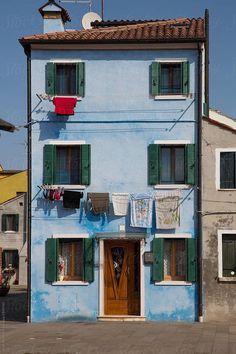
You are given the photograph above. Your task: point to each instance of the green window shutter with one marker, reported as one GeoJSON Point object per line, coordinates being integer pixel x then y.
{"type": "Point", "coordinates": [88, 260]}
{"type": "Point", "coordinates": [190, 163]}
{"type": "Point", "coordinates": [80, 79]}
{"type": "Point", "coordinates": [185, 78]}
{"type": "Point", "coordinates": [49, 161]}
{"type": "Point", "coordinates": [85, 164]}
{"type": "Point", "coordinates": [155, 69]}
{"type": "Point", "coordinates": [50, 78]}
{"type": "Point", "coordinates": [4, 222]}
{"type": "Point", "coordinates": [153, 164]}
{"type": "Point", "coordinates": [52, 246]}
{"type": "Point", "coordinates": [16, 222]}
{"type": "Point", "coordinates": [158, 252]}
{"type": "Point", "coordinates": [205, 109]}
{"type": "Point", "coordinates": [191, 259]}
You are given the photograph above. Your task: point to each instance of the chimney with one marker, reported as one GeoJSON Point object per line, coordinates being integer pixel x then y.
{"type": "Point", "coordinates": [54, 17]}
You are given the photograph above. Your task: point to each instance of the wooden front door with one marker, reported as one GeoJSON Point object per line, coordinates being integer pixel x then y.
{"type": "Point", "coordinates": [122, 278]}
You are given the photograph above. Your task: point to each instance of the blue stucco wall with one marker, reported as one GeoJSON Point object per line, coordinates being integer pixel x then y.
{"type": "Point", "coordinates": [119, 118]}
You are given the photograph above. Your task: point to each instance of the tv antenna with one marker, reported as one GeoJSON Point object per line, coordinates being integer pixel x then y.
{"type": "Point", "coordinates": [89, 2]}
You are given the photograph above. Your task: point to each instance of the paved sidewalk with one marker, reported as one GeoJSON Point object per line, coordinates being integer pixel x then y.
{"type": "Point", "coordinates": [117, 338]}
{"type": "Point", "coordinates": [13, 307]}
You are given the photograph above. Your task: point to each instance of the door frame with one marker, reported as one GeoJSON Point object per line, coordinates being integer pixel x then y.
{"type": "Point", "coordinates": [101, 296]}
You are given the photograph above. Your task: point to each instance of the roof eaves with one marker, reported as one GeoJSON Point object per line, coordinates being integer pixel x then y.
{"type": "Point", "coordinates": [25, 42]}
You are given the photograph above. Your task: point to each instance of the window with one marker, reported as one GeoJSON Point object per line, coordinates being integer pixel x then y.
{"type": "Point", "coordinates": [67, 164]}
{"type": "Point", "coordinates": [174, 259]}
{"type": "Point", "coordinates": [69, 259]}
{"type": "Point", "coordinates": [171, 164]}
{"type": "Point", "coordinates": [65, 79]}
{"type": "Point", "coordinates": [170, 78]}
{"type": "Point", "coordinates": [10, 257]}
{"type": "Point", "coordinates": [227, 253]}
{"type": "Point", "coordinates": [227, 170]}
{"type": "Point", "coordinates": [10, 222]}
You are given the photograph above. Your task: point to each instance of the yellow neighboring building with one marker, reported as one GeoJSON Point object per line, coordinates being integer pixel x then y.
{"type": "Point", "coordinates": [13, 222]}
{"type": "Point", "coordinates": [11, 183]}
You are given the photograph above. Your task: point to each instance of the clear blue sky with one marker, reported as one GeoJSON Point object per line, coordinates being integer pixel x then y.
{"type": "Point", "coordinates": [19, 18]}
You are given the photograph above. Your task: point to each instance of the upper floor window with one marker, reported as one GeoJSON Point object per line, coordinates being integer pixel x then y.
{"type": "Point", "coordinates": [228, 170]}
{"type": "Point", "coordinates": [67, 164]}
{"type": "Point", "coordinates": [10, 222]}
{"type": "Point", "coordinates": [171, 163]}
{"type": "Point", "coordinates": [65, 79]}
{"type": "Point", "coordinates": [170, 78]}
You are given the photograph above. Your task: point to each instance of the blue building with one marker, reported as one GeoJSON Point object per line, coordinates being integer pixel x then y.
{"type": "Point", "coordinates": [114, 135]}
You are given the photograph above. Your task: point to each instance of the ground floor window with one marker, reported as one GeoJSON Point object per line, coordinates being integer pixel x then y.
{"type": "Point", "coordinates": [174, 258]}
{"type": "Point", "coordinates": [229, 255]}
{"type": "Point", "coordinates": [69, 259]}
{"type": "Point", "coordinates": [10, 257]}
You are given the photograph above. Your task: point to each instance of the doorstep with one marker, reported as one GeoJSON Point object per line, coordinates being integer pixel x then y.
{"type": "Point", "coordinates": [121, 318]}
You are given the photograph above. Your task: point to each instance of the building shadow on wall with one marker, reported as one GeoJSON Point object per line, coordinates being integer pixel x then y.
{"type": "Point", "coordinates": [48, 205]}
{"type": "Point", "coordinates": [51, 127]}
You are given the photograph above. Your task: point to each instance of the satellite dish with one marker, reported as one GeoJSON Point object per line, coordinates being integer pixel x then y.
{"type": "Point", "coordinates": [88, 18]}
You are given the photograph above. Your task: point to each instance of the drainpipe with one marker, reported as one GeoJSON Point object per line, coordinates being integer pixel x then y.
{"type": "Point", "coordinates": [199, 187]}
{"type": "Point", "coordinates": [207, 60]}
{"type": "Point", "coordinates": [202, 99]}
{"type": "Point", "coordinates": [28, 54]}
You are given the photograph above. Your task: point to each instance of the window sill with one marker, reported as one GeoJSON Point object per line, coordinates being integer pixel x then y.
{"type": "Point", "coordinates": [173, 283]}
{"type": "Point", "coordinates": [227, 279]}
{"type": "Point", "coordinates": [68, 186]}
{"type": "Point", "coordinates": [10, 232]}
{"type": "Point", "coordinates": [79, 98]}
{"type": "Point", "coordinates": [170, 97]}
{"type": "Point", "coordinates": [226, 189]}
{"type": "Point", "coordinates": [173, 186]}
{"type": "Point", "coordinates": [70, 282]}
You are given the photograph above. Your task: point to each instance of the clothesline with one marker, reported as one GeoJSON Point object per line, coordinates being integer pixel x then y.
{"type": "Point", "coordinates": [167, 205]}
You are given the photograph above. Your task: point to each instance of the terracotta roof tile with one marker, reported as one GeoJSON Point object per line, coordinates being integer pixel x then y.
{"type": "Point", "coordinates": [163, 30]}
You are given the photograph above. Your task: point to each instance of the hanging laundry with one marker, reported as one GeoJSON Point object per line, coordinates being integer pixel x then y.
{"type": "Point", "coordinates": [99, 202]}
{"type": "Point", "coordinates": [64, 105]}
{"type": "Point", "coordinates": [120, 203]}
{"type": "Point", "coordinates": [167, 209]}
{"type": "Point", "coordinates": [71, 199]}
{"type": "Point", "coordinates": [141, 210]}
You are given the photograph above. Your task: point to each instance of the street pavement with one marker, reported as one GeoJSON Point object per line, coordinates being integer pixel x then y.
{"type": "Point", "coordinates": [17, 337]}
{"type": "Point", "coordinates": [117, 338]}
